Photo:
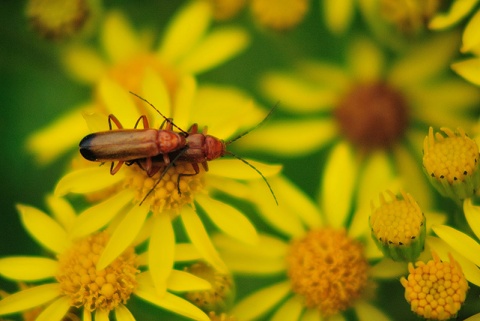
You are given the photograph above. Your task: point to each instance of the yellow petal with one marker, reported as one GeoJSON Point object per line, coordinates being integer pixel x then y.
{"type": "Point", "coordinates": [224, 120]}
{"type": "Point", "coordinates": [96, 217]}
{"type": "Point", "coordinates": [340, 176]}
{"type": "Point", "coordinates": [161, 251]}
{"type": "Point", "coordinates": [87, 180]}
{"type": "Point", "coordinates": [278, 216]}
{"type": "Point", "coordinates": [338, 15]}
{"type": "Point", "coordinates": [55, 310]}
{"type": "Point", "coordinates": [297, 95]}
{"type": "Point", "coordinates": [238, 189]}
{"type": "Point", "coordinates": [122, 313]}
{"type": "Point", "coordinates": [366, 60]}
{"type": "Point", "coordinates": [236, 169]}
{"type": "Point", "coordinates": [118, 38]}
{"type": "Point", "coordinates": [290, 138]}
{"type": "Point", "coordinates": [43, 228]}
{"type": "Point", "coordinates": [30, 298]}
{"type": "Point", "coordinates": [170, 302]}
{"type": "Point", "coordinates": [155, 91]}
{"type": "Point", "coordinates": [262, 301]}
{"type": "Point", "coordinates": [101, 315]}
{"type": "Point", "coordinates": [83, 63]}
{"type": "Point", "coordinates": [458, 10]}
{"type": "Point", "coordinates": [470, 270]}
{"type": "Point", "coordinates": [181, 281]}
{"type": "Point", "coordinates": [96, 122]}
{"type": "Point", "coordinates": [118, 101]}
{"type": "Point", "coordinates": [290, 310]}
{"type": "Point", "coordinates": [268, 247]}
{"type": "Point", "coordinates": [58, 137]}
{"type": "Point", "coordinates": [472, 214]}
{"type": "Point", "coordinates": [297, 201]}
{"type": "Point", "coordinates": [471, 38]}
{"type": "Point", "coordinates": [388, 269]}
{"type": "Point", "coordinates": [185, 30]}
{"type": "Point", "coordinates": [414, 180]}
{"type": "Point", "coordinates": [186, 91]}
{"type": "Point", "coordinates": [228, 219]}
{"type": "Point", "coordinates": [123, 235]}
{"type": "Point", "coordinates": [366, 312]}
{"type": "Point", "coordinates": [62, 211]}
{"type": "Point", "coordinates": [462, 243]}
{"type": "Point", "coordinates": [215, 49]}
{"type": "Point", "coordinates": [468, 69]}
{"type": "Point", "coordinates": [20, 268]}
{"type": "Point", "coordinates": [186, 252]}
{"type": "Point", "coordinates": [424, 61]}
{"type": "Point", "coordinates": [311, 315]}
{"type": "Point", "coordinates": [200, 239]}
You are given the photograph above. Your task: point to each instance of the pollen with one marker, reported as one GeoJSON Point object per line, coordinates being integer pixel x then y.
{"type": "Point", "coordinates": [435, 290]}
{"type": "Point", "coordinates": [177, 187]}
{"type": "Point", "coordinates": [92, 289]}
{"type": "Point", "coordinates": [280, 14]}
{"type": "Point", "coordinates": [372, 116]}
{"type": "Point", "coordinates": [219, 297]}
{"type": "Point", "coordinates": [397, 225]}
{"type": "Point", "coordinates": [328, 269]}
{"type": "Point", "coordinates": [58, 19]}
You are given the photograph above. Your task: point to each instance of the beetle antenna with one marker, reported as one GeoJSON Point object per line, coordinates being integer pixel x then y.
{"type": "Point", "coordinates": [254, 127]}
{"type": "Point", "coordinates": [158, 111]}
{"type": "Point", "coordinates": [255, 169]}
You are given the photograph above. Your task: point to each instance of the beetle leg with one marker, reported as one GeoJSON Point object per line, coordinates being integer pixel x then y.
{"type": "Point", "coordinates": [113, 170]}
{"type": "Point", "coordinates": [195, 168]}
{"type": "Point", "coordinates": [111, 118]}
{"type": "Point", "coordinates": [145, 122]}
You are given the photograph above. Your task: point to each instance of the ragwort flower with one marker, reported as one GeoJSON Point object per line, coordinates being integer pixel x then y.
{"type": "Point", "coordinates": [374, 105]}
{"type": "Point", "coordinates": [130, 195]}
{"type": "Point", "coordinates": [188, 46]}
{"type": "Point", "coordinates": [324, 265]}
{"type": "Point", "coordinates": [75, 281]}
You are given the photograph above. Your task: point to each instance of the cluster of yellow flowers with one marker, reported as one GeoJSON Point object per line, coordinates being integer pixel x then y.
{"type": "Point", "coordinates": [385, 219]}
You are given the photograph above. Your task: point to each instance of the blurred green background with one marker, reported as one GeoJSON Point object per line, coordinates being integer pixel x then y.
{"type": "Point", "coordinates": [35, 89]}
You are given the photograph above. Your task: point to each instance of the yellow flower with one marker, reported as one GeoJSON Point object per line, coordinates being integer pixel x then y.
{"type": "Point", "coordinates": [74, 280]}
{"type": "Point", "coordinates": [188, 46]}
{"type": "Point", "coordinates": [437, 289]}
{"type": "Point", "coordinates": [278, 15]}
{"type": "Point", "coordinates": [459, 10]}
{"type": "Point", "coordinates": [375, 105]}
{"type": "Point", "coordinates": [130, 195]}
{"type": "Point", "coordinates": [308, 285]}
{"type": "Point", "coordinates": [462, 247]}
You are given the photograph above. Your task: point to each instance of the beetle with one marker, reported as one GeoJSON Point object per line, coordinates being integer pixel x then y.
{"type": "Point", "coordinates": [199, 149]}
{"type": "Point", "coordinates": [127, 145]}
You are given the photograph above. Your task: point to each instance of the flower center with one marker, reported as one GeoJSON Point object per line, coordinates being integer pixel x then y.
{"type": "Point", "coordinates": [58, 19]}
{"type": "Point", "coordinates": [219, 297]}
{"type": "Point", "coordinates": [279, 14]}
{"type": "Point", "coordinates": [176, 188]}
{"type": "Point", "coordinates": [372, 116]}
{"type": "Point", "coordinates": [452, 158]}
{"type": "Point", "coordinates": [409, 16]}
{"type": "Point", "coordinates": [435, 290]}
{"type": "Point", "coordinates": [92, 289]}
{"type": "Point", "coordinates": [398, 221]}
{"type": "Point", "coordinates": [328, 269]}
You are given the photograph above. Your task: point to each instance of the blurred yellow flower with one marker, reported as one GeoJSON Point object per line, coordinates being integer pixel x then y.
{"type": "Point", "coordinates": [77, 283]}
{"type": "Point", "coordinates": [188, 46]}
{"type": "Point", "coordinates": [313, 287]}
{"type": "Point", "coordinates": [130, 195]}
{"type": "Point", "coordinates": [374, 104]}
